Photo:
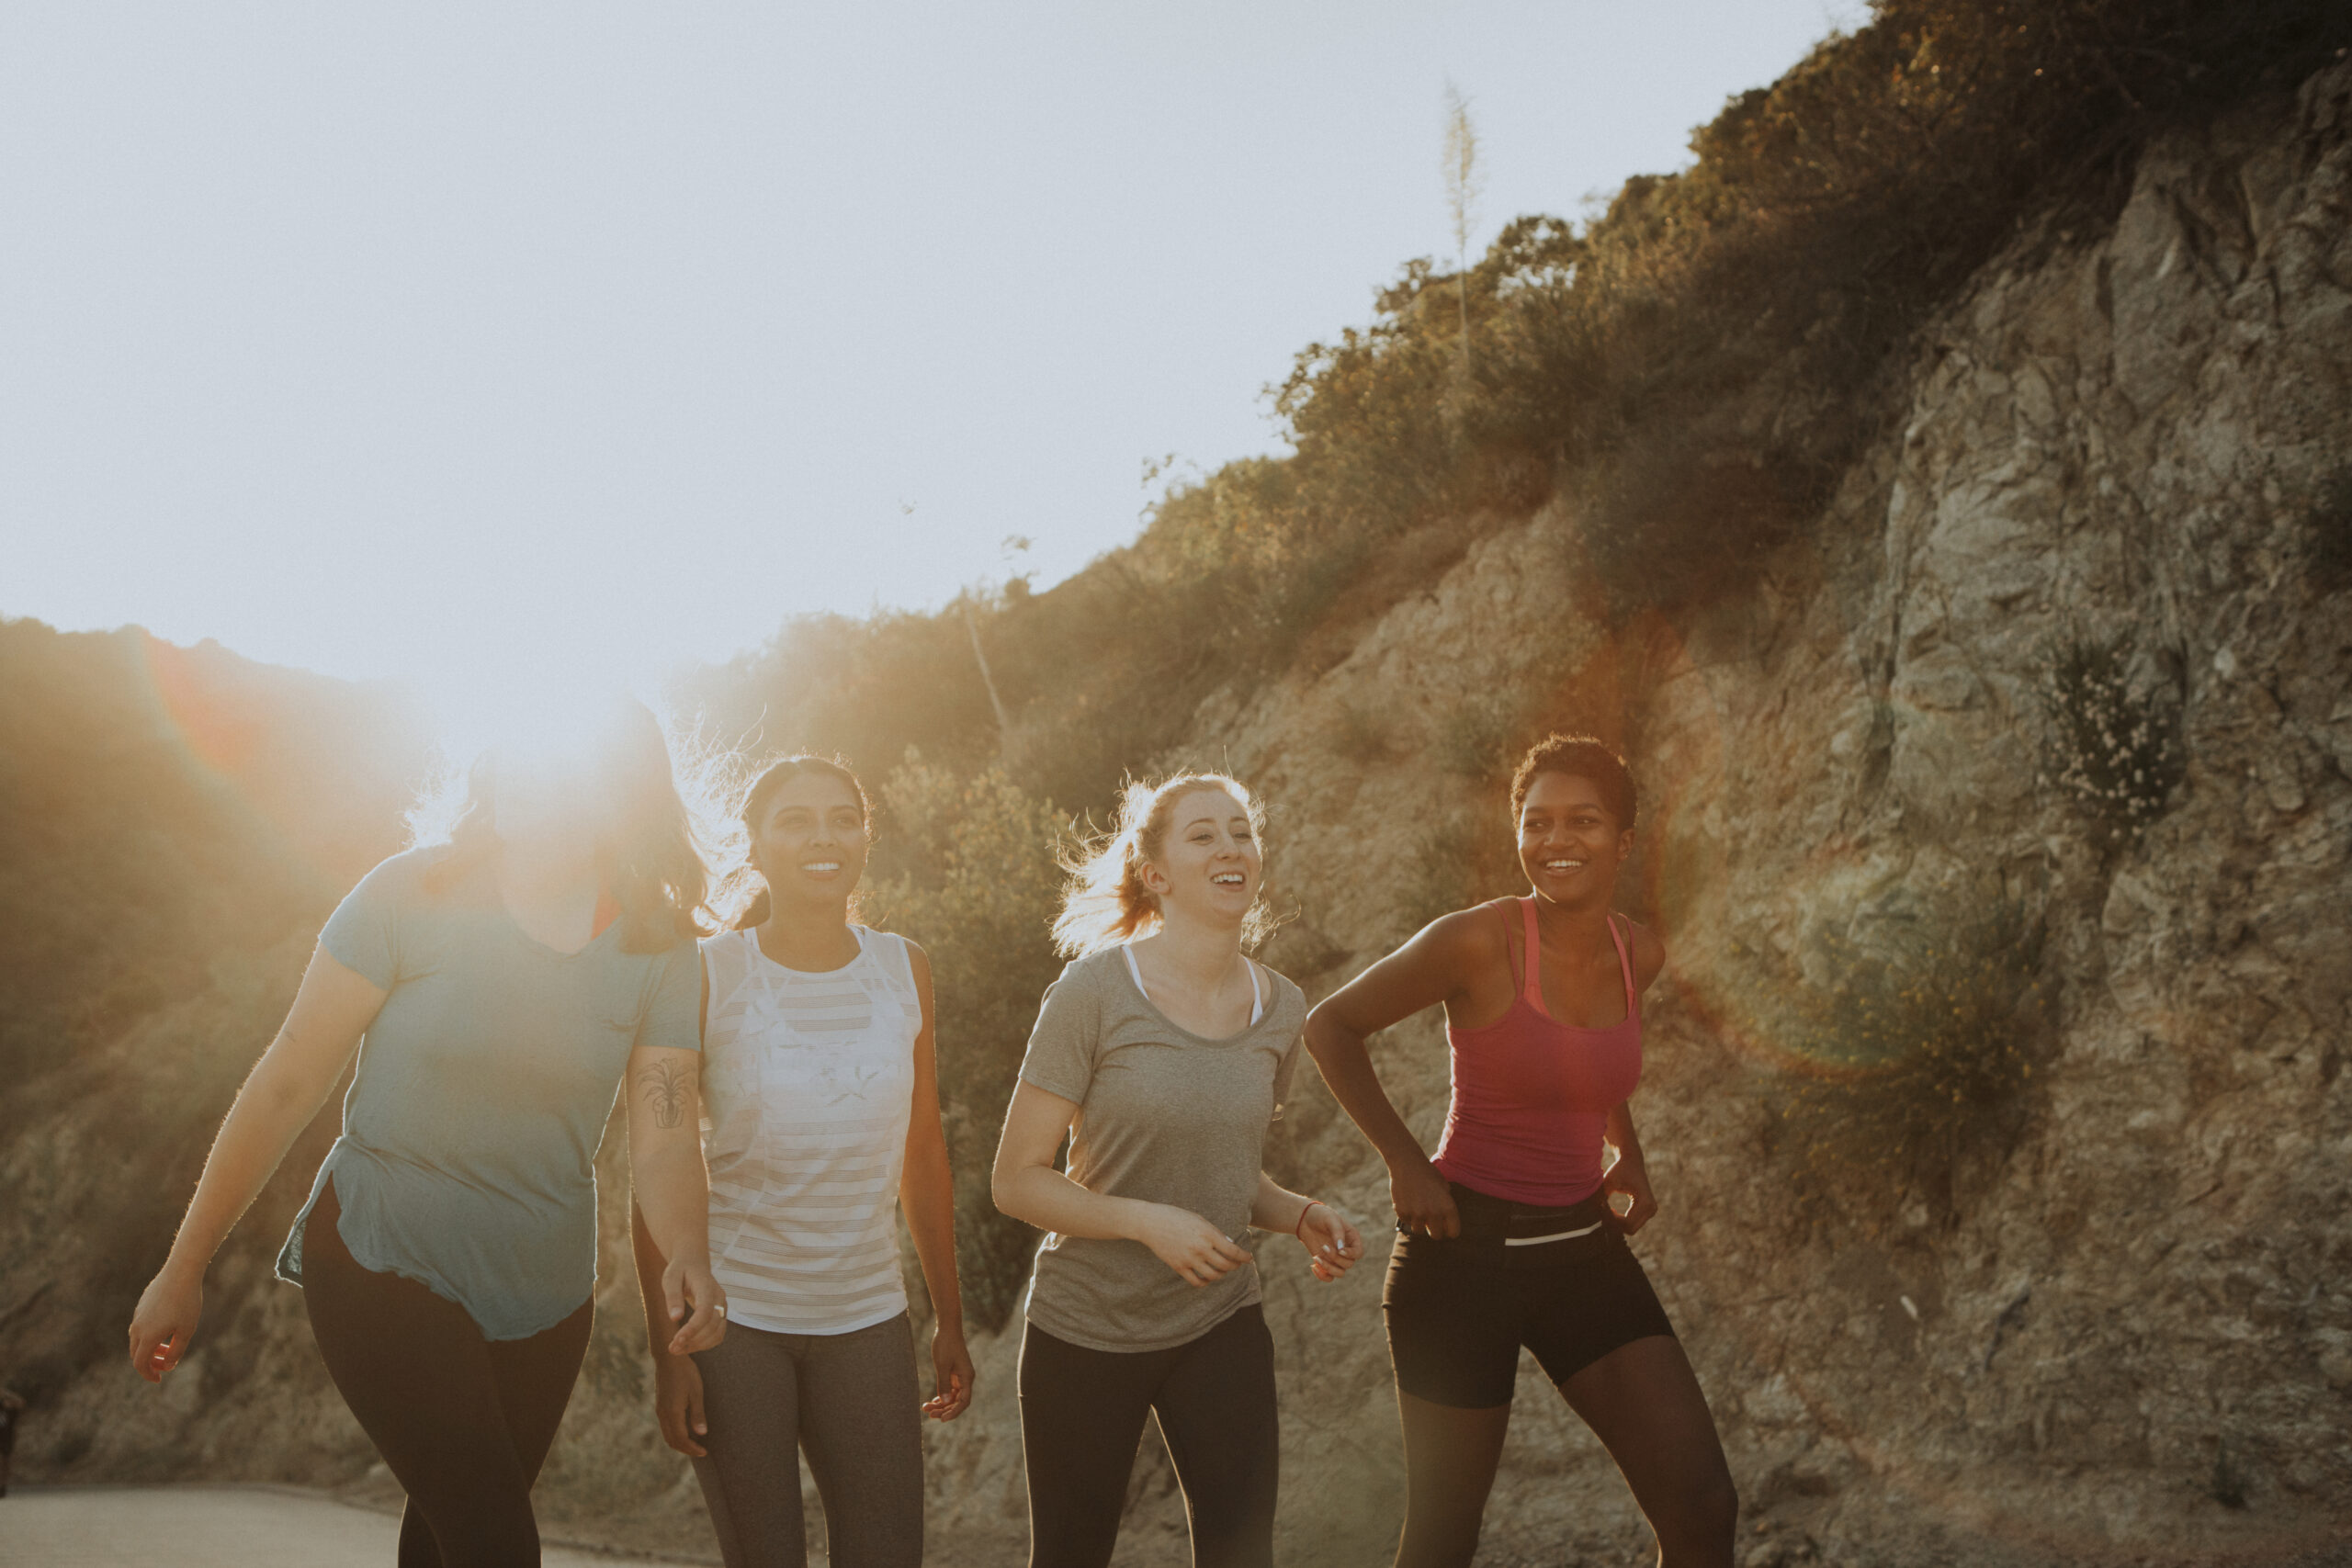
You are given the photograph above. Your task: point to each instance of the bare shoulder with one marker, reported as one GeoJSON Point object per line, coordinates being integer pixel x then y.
{"type": "Point", "coordinates": [1466, 945]}
{"type": "Point", "coordinates": [1437, 964]}
{"type": "Point", "coordinates": [1649, 951]}
{"type": "Point", "coordinates": [1473, 934]}
{"type": "Point", "coordinates": [917, 966]}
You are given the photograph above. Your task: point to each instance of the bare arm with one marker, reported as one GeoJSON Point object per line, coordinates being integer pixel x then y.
{"type": "Point", "coordinates": [1426, 971]}
{"type": "Point", "coordinates": [1026, 1186]}
{"type": "Point", "coordinates": [674, 1189]}
{"type": "Point", "coordinates": [331, 1011]}
{"type": "Point", "coordinates": [1332, 1243]}
{"type": "Point", "coordinates": [1275, 1207]}
{"type": "Point", "coordinates": [677, 1381]}
{"type": "Point", "coordinates": [1627, 1174]}
{"type": "Point", "coordinates": [927, 1199]}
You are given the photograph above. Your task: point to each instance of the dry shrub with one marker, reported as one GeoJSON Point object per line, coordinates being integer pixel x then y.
{"type": "Point", "coordinates": [1481, 738]}
{"type": "Point", "coordinates": [2328, 534]}
{"type": "Point", "coordinates": [1436, 874]}
{"type": "Point", "coordinates": [1920, 1047]}
{"type": "Point", "coordinates": [1364, 736]}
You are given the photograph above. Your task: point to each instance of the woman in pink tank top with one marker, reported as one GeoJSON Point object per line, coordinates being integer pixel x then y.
{"type": "Point", "coordinates": [1508, 1236]}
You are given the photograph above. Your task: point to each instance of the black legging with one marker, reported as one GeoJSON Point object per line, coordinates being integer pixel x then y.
{"type": "Point", "coordinates": [1081, 1417]}
{"type": "Point", "coordinates": [463, 1421]}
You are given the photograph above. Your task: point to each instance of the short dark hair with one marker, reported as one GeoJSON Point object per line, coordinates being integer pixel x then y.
{"type": "Point", "coordinates": [1578, 756]}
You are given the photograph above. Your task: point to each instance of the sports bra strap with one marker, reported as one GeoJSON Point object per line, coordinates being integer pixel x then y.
{"type": "Point", "coordinates": [1532, 960]}
{"type": "Point", "coordinates": [1625, 967]}
{"type": "Point", "coordinates": [1257, 995]}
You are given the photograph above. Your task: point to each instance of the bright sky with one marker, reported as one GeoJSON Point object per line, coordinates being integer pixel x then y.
{"type": "Point", "coordinates": [449, 342]}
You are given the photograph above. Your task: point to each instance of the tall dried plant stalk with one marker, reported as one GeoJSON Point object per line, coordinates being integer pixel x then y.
{"type": "Point", "coordinates": [1463, 183]}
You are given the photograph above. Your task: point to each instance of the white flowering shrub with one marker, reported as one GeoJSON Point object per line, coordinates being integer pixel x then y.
{"type": "Point", "coordinates": [2114, 754]}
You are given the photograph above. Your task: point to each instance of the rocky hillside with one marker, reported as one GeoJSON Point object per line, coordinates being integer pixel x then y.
{"type": "Point", "coordinates": [2093, 1313]}
{"type": "Point", "coordinates": [2118, 1331]}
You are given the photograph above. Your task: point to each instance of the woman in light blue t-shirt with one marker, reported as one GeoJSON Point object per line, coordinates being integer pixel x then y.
{"type": "Point", "coordinates": [506, 982]}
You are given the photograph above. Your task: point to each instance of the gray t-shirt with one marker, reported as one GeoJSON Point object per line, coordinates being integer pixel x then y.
{"type": "Point", "coordinates": [468, 1156]}
{"type": "Point", "coordinates": [1166, 1117]}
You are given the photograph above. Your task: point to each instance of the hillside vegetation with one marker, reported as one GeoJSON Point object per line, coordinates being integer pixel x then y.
{"type": "Point", "coordinates": [175, 824]}
{"type": "Point", "coordinates": [1690, 374]}
{"type": "Point", "coordinates": [1696, 365]}
{"type": "Point", "coordinates": [1938, 490]}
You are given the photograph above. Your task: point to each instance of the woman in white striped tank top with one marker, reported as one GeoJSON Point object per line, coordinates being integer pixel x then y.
{"type": "Point", "coordinates": [821, 1123]}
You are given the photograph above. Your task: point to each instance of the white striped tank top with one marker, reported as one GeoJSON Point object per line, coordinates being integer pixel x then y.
{"type": "Point", "coordinates": [808, 1088]}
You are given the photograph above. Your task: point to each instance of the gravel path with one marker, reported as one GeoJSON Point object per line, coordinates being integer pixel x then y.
{"type": "Point", "coordinates": [210, 1527]}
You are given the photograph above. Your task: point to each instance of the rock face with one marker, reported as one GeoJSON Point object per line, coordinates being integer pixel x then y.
{"type": "Point", "coordinates": [2119, 1331]}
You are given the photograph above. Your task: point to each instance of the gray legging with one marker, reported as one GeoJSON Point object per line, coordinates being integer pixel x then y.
{"type": "Point", "coordinates": [850, 1402]}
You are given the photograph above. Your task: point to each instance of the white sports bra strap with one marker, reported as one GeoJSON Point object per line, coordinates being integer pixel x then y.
{"type": "Point", "coordinates": [1256, 992]}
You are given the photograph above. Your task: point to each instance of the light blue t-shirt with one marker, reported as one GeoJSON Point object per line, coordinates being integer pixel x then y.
{"type": "Point", "coordinates": [467, 1159]}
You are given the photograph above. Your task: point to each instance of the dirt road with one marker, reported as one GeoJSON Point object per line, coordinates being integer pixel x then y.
{"type": "Point", "coordinates": [210, 1527]}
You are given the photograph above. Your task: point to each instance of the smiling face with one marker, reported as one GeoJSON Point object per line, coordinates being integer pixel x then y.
{"type": "Point", "coordinates": [1208, 865]}
{"type": "Point", "coordinates": [1569, 843]}
{"type": "Point", "coordinates": [809, 842]}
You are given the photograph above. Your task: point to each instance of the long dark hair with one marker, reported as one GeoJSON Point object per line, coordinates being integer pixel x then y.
{"type": "Point", "coordinates": [648, 854]}
{"type": "Point", "coordinates": [774, 776]}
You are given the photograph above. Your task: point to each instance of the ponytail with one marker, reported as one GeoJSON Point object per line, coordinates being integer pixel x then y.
{"type": "Point", "coordinates": [1106, 901]}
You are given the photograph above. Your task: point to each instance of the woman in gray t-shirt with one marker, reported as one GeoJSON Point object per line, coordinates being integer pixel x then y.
{"type": "Point", "coordinates": [1163, 1053]}
{"type": "Point", "coordinates": [506, 982]}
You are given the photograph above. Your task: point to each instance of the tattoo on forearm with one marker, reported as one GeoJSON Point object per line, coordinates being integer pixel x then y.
{"type": "Point", "coordinates": [666, 1088]}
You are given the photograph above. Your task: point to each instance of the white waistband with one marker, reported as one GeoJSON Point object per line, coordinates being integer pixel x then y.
{"type": "Point", "coordinates": [1563, 1236]}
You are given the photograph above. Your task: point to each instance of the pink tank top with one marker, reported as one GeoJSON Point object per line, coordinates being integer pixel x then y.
{"type": "Point", "coordinates": [1532, 1094]}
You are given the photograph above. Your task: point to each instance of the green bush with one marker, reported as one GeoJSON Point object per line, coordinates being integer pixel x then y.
{"type": "Point", "coordinates": [2113, 754]}
{"type": "Point", "coordinates": [1917, 1050]}
{"type": "Point", "coordinates": [967, 870]}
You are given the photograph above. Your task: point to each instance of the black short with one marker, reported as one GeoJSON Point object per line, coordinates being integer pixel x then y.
{"type": "Point", "coordinates": [1459, 1309]}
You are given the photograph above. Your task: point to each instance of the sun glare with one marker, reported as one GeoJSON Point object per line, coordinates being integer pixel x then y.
{"type": "Point", "coordinates": [536, 698]}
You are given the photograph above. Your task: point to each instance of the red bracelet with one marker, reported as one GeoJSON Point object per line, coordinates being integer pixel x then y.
{"type": "Point", "coordinates": [1299, 1230]}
